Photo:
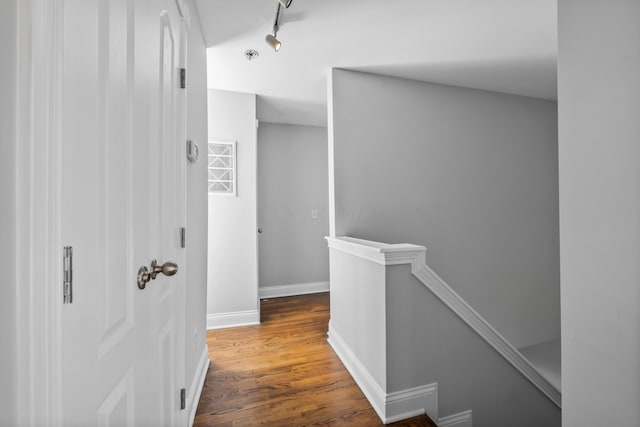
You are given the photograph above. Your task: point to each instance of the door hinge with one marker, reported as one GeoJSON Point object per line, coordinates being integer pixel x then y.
{"type": "Point", "coordinates": [183, 78]}
{"type": "Point", "coordinates": [183, 237]}
{"type": "Point", "coordinates": [193, 152]}
{"type": "Point", "coordinates": [183, 398]}
{"type": "Point", "coordinates": [67, 281]}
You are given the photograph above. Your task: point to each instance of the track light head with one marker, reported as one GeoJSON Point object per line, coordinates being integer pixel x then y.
{"type": "Point", "coordinates": [273, 42]}
{"type": "Point", "coordinates": [271, 39]}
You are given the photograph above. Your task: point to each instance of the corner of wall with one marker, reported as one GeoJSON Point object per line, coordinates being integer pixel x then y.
{"type": "Point", "coordinates": [331, 154]}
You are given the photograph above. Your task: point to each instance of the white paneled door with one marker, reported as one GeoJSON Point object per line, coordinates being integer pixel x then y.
{"type": "Point", "coordinates": [122, 116]}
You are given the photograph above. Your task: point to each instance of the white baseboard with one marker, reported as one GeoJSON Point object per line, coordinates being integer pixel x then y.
{"type": "Point", "coordinates": [463, 419]}
{"type": "Point", "coordinates": [372, 391]}
{"type": "Point", "coordinates": [390, 407]}
{"type": "Point", "coordinates": [293, 289]}
{"type": "Point", "coordinates": [229, 320]}
{"type": "Point", "coordinates": [196, 385]}
{"type": "Point", "coordinates": [412, 402]}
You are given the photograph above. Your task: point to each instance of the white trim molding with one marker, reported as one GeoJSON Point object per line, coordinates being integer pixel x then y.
{"type": "Point", "coordinates": [331, 155]}
{"type": "Point", "coordinates": [293, 289]}
{"type": "Point", "coordinates": [462, 419]}
{"type": "Point", "coordinates": [390, 407]}
{"type": "Point", "coordinates": [197, 384]}
{"type": "Point", "coordinates": [233, 319]}
{"type": "Point", "coordinates": [412, 402]}
{"type": "Point", "coordinates": [379, 253]}
{"type": "Point", "coordinates": [395, 254]}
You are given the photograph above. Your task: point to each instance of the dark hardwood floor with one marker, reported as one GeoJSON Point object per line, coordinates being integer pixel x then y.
{"type": "Point", "coordinates": [283, 373]}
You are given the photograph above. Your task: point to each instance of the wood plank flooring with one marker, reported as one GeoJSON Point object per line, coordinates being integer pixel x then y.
{"type": "Point", "coordinates": [283, 373]}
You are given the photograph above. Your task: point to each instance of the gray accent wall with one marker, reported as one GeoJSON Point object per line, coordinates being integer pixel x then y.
{"type": "Point", "coordinates": [427, 343]}
{"type": "Point", "coordinates": [292, 184]}
{"type": "Point", "coordinates": [472, 175]}
{"type": "Point", "coordinates": [599, 116]}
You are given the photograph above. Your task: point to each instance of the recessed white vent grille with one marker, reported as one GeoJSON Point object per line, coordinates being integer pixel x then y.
{"type": "Point", "coordinates": [222, 168]}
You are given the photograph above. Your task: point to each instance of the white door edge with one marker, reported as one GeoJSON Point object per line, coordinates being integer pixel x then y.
{"type": "Point", "coordinates": [38, 253]}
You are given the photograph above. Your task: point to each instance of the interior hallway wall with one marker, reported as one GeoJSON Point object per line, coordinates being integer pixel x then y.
{"type": "Point", "coordinates": [472, 175]}
{"type": "Point", "coordinates": [8, 142]}
{"type": "Point", "coordinates": [599, 110]}
{"type": "Point", "coordinates": [293, 205]}
{"type": "Point", "coordinates": [232, 297]}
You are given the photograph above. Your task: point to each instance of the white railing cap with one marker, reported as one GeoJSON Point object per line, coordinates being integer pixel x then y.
{"type": "Point", "coordinates": [378, 252]}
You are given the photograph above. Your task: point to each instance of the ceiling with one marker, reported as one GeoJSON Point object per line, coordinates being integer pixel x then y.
{"type": "Point", "coordinates": [499, 45]}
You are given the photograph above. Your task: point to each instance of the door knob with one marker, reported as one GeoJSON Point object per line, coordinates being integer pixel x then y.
{"type": "Point", "coordinates": [168, 268]}
{"type": "Point", "coordinates": [145, 276]}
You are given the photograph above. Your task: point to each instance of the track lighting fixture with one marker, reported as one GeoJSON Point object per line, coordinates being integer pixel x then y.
{"type": "Point", "coordinates": [271, 38]}
{"type": "Point", "coordinates": [273, 42]}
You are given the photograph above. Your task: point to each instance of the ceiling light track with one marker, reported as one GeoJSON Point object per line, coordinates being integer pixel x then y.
{"type": "Point", "coordinates": [271, 39]}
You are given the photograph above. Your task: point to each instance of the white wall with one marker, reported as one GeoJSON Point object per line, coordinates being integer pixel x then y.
{"type": "Point", "coordinates": [292, 182]}
{"type": "Point", "coordinates": [471, 175]}
{"type": "Point", "coordinates": [599, 153]}
{"type": "Point", "coordinates": [358, 315]}
{"type": "Point", "coordinates": [233, 275]}
{"type": "Point", "coordinates": [196, 294]}
{"type": "Point", "coordinates": [8, 359]}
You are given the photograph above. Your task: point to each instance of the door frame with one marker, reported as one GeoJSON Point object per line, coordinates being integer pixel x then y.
{"type": "Point", "coordinates": [38, 252]}
{"type": "Point", "coordinates": [38, 249]}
